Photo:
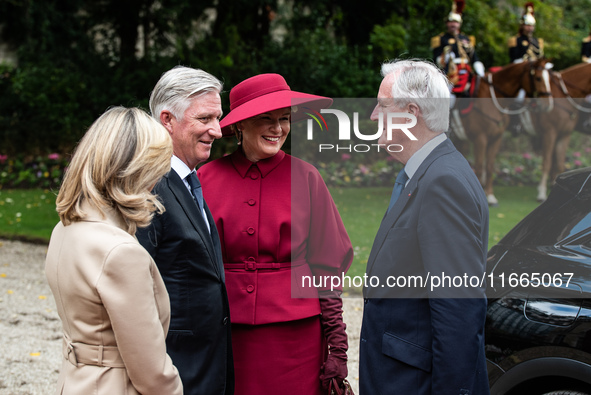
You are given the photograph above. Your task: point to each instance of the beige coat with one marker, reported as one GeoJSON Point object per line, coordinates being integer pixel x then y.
{"type": "Point", "coordinates": [114, 309]}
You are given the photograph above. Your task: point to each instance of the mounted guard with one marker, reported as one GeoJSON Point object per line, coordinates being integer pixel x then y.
{"type": "Point", "coordinates": [455, 52]}
{"type": "Point", "coordinates": [486, 123]}
{"type": "Point", "coordinates": [524, 47]}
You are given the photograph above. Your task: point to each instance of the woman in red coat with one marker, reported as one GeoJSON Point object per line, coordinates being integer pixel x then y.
{"type": "Point", "coordinates": [277, 223]}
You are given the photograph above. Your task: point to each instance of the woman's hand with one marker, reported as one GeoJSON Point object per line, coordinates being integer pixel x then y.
{"type": "Point", "coordinates": [334, 331]}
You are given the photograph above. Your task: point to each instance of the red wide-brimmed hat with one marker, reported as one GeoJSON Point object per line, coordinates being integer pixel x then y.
{"type": "Point", "coordinates": [263, 93]}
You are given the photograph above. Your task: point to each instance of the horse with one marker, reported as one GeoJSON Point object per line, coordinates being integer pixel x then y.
{"type": "Point", "coordinates": [487, 118]}
{"type": "Point", "coordinates": [555, 127]}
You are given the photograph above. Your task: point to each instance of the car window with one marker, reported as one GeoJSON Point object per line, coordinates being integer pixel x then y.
{"type": "Point", "coordinates": [581, 225]}
{"type": "Point", "coordinates": [580, 245]}
{"type": "Point", "coordinates": [569, 221]}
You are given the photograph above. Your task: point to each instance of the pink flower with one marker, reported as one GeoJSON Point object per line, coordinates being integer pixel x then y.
{"type": "Point", "coordinates": [577, 154]}
{"type": "Point", "coordinates": [526, 155]}
{"type": "Point", "coordinates": [578, 163]}
{"type": "Point", "coordinates": [3, 158]}
{"type": "Point", "coordinates": [54, 156]}
{"type": "Point", "coordinates": [518, 169]}
{"type": "Point", "coordinates": [364, 169]}
{"type": "Point", "coordinates": [345, 156]}
{"type": "Point", "coordinates": [588, 149]}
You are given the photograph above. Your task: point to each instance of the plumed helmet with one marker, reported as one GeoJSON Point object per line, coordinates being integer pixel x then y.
{"type": "Point", "coordinates": [457, 7]}
{"type": "Point", "coordinates": [528, 16]}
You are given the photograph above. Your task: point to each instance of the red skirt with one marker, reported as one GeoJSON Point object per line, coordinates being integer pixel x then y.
{"type": "Point", "coordinates": [283, 358]}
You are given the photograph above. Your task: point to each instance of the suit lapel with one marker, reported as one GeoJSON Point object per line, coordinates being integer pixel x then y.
{"type": "Point", "coordinates": [215, 238]}
{"type": "Point", "coordinates": [408, 192]}
{"type": "Point", "coordinates": [185, 200]}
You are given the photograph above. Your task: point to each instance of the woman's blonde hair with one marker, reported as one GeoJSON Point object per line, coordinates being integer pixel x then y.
{"type": "Point", "coordinates": [121, 156]}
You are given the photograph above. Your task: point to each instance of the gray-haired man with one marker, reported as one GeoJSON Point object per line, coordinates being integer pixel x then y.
{"type": "Point", "coordinates": [184, 241]}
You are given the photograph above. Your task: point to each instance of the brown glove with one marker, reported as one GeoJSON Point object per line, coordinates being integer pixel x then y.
{"type": "Point", "coordinates": [334, 331]}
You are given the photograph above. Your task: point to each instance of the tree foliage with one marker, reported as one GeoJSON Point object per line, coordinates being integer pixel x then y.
{"type": "Point", "coordinates": [78, 57]}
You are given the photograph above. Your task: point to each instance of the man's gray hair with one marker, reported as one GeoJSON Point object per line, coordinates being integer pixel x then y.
{"type": "Point", "coordinates": [421, 82]}
{"type": "Point", "coordinates": [177, 87]}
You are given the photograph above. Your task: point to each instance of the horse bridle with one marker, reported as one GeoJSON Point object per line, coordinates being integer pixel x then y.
{"type": "Point", "coordinates": [532, 72]}
{"type": "Point", "coordinates": [535, 94]}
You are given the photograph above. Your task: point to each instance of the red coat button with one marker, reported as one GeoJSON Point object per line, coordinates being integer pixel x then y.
{"type": "Point", "coordinates": [250, 288]}
{"type": "Point", "coordinates": [250, 231]}
{"type": "Point", "coordinates": [254, 176]}
{"type": "Point", "coordinates": [251, 202]}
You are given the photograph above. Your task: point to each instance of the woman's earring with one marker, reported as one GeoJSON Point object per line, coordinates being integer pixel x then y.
{"type": "Point", "coordinates": [239, 136]}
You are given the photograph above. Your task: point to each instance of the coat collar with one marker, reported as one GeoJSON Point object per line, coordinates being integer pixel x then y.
{"type": "Point", "coordinates": [446, 147]}
{"type": "Point", "coordinates": [108, 215]}
{"type": "Point", "coordinates": [418, 157]}
{"type": "Point", "coordinates": [242, 164]}
{"type": "Point", "coordinates": [183, 196]}
{"type": "Point", "coordinates": [185, 200]}
{"type": "Point", "coordinates": [180, 167]}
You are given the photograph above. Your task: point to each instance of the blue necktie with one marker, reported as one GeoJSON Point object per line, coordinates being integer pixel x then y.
{"type": "Point", "coordinates": [196, 189]}
{"type": "Point", "coordinates": [401, 180]}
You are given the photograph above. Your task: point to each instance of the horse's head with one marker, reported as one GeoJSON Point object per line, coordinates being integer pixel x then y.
{"type": "Point", "coordinates": [532, 76]}
{"type": "Point", "coordinates": [535, 81]}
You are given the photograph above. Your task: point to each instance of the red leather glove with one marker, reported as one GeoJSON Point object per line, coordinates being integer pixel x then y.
{"type": "Point", "coordinates": [334, 331]}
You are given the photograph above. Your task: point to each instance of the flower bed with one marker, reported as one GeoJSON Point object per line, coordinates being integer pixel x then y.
{"type": "Point", "coordinates": [32, 172]}
{"type": "Point", "coordinates": [516, 165]}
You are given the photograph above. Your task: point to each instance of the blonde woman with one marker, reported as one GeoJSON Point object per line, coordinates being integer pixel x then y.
{"type": "Point", "coordinates": [109, 294]}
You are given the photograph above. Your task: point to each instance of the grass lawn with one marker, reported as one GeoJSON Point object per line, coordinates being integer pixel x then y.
{"type": "Point", "coordinates": [27, 214]}
{"type": "Point", "coordinates": [30, 215]}
{"type": "Point", "coordinates": [362, 211]}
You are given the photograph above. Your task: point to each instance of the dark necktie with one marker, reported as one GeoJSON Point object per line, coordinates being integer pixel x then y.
{"type": "Point", "coordinates": [401, 180]}
{"type": "Point", "coordinates": [196, 189]}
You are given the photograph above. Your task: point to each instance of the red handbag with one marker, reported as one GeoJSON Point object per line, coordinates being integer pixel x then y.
{"type": "Point", "coordinates": [344, 389]}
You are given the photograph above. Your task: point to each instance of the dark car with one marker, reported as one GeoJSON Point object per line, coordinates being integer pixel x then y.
{"type": "Point", "coordinates": [538, 324]}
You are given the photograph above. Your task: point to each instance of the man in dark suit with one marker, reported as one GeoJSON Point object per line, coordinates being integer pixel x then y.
{"type": "Point", "coordinates": [418, 338]}
{"type": "Point", "coordinates": [525, 46]}
{"type": "Point", "coordinates": [184, 241]}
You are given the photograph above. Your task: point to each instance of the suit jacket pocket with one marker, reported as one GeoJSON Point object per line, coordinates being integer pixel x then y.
{"type": "Point", "coordinates": [398, 233]}
{"type": "Point", "coordinates": [179, 332]}
{"type": "Point", "coordinates": [179, 343]}
{"type": "Point", "coordinates": [407, 352]}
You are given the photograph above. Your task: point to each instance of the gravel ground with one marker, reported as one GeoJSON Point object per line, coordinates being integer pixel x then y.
{"type": "Point", "coordinates": [30, 345]}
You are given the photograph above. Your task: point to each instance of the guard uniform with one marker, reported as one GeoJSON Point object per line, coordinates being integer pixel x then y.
{"type": "Point", "coordinates": [455, 55]}
{"type": "Point", "coordinates": [586, 49]}
{"type": "Point", "coordinates": [461, 45]}
{"type": "Point", "coordinates": [525, 47]}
